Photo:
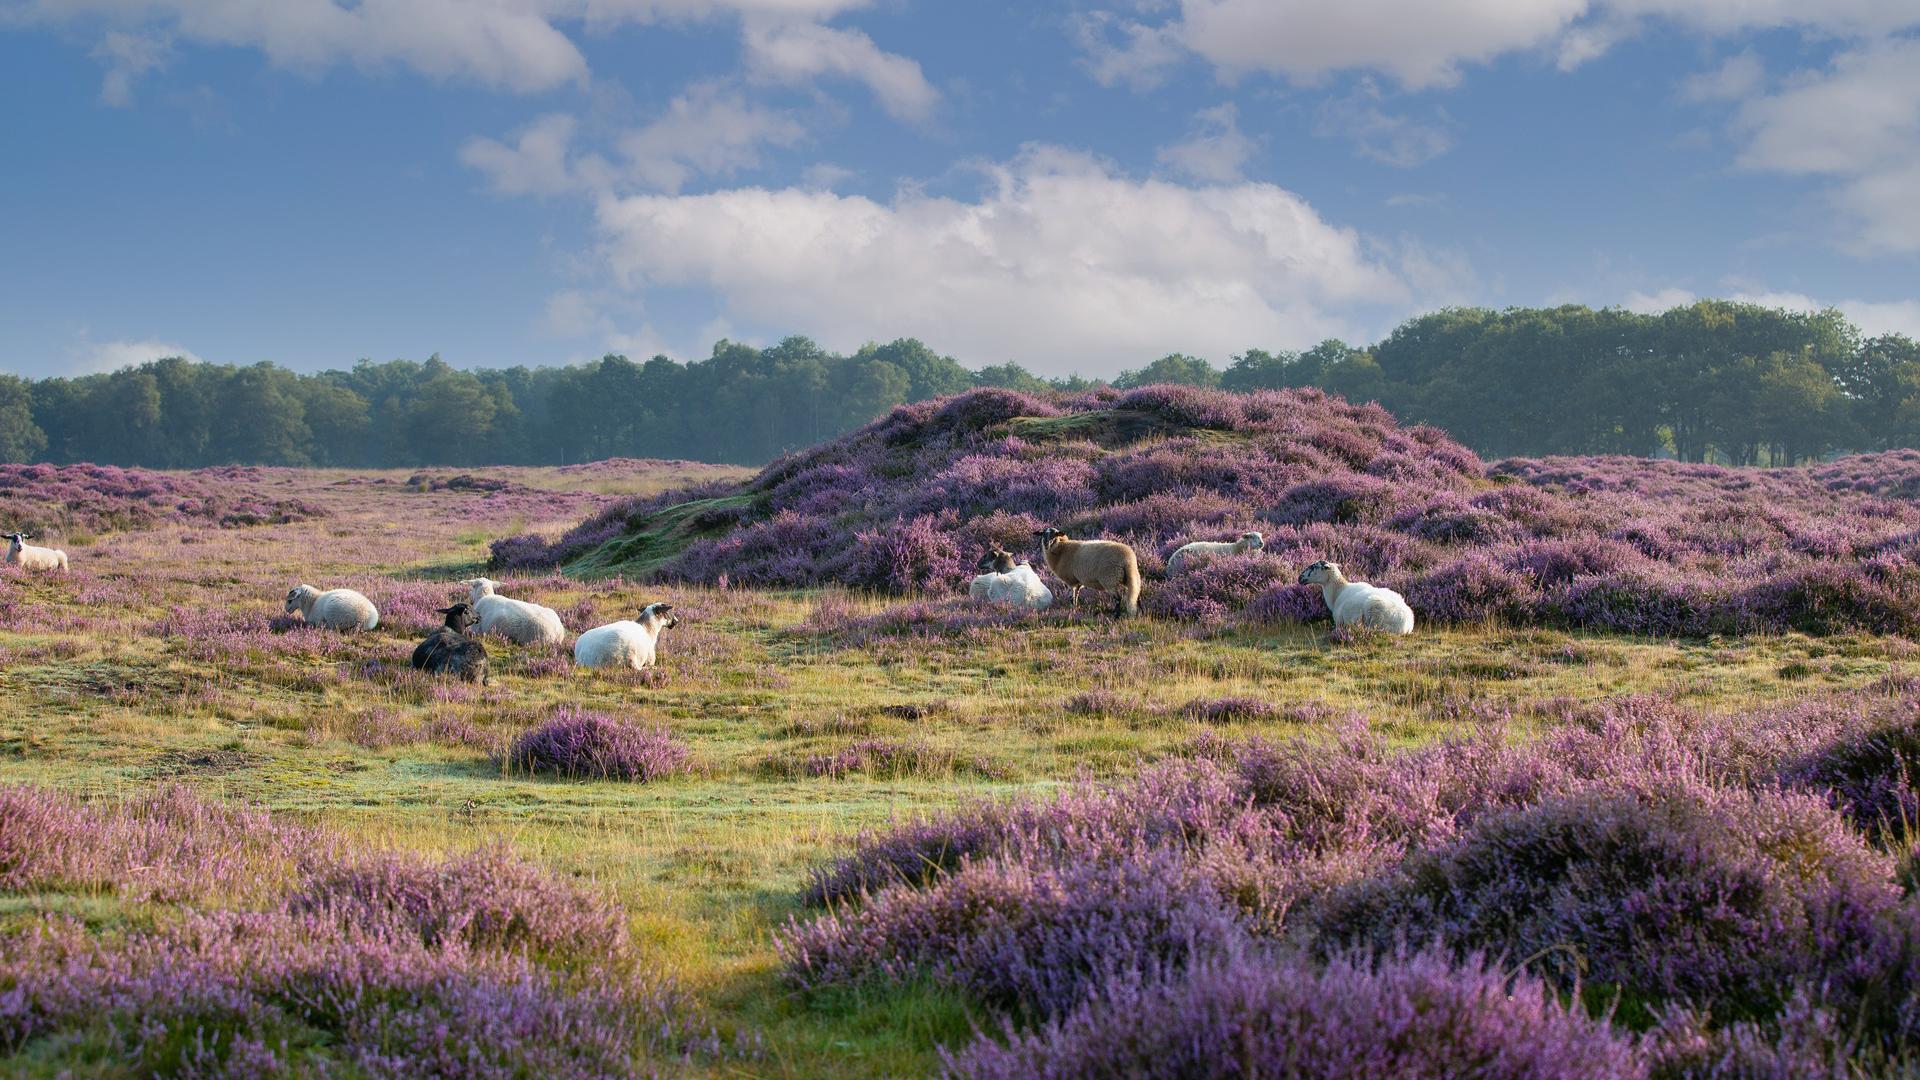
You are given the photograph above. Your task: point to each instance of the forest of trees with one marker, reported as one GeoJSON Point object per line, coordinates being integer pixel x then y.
{"type": "Point", "coordinates": [1712, 381]}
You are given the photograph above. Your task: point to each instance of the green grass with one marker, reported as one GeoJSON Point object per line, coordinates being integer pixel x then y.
{"type": "Point", "coordinates": [709, 866]}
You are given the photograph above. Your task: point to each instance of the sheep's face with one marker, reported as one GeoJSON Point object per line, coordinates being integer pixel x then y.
{"type": "Point", "coordinates": [18, 538]}
{"type": "Point", "coordinates": [294, 596]}
{"type": "Point", "coordinates": [1252, 541]}
{"type": "Point", "coordinates": [459, 617]}
{"type": "Point", "coordinates": [997, 560]}
{"type": "Point", "coordinates": [1319, 573]}
{"type": "Point", "coordinates": [660, 615]}
{"type": "Point", "coordinates": [1048, 535]}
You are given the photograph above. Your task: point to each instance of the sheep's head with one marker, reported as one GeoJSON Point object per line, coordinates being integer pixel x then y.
{"type": "Point", "coordinates": [997, 559]}
{"type": "Point", "coordinates": [660, 615]}
{"type": "Point", "coordinates": [1048, 535]}
{"type": "Point", "coordinates": [19, 537]}
{"type": "Point", "coordinates": [479, 587]}
{"type": "Point", "coordinates": [299, 594]}
{"type": "Point", "coordinates": [459, 617]}
{"type": "Point", "coordinates": [1252, 541]}
{"type": "Point", "coordinates": [1320, 573]}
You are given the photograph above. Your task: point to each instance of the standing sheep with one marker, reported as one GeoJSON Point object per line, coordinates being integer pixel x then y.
{"type": "Point", "coordinates": [1190, 555]}
{"type": "Point", "coordinates": [516, 620]}
{"type": "Point", "coordinates": [1003, 582]}
{"type": "Point", "coordinates": [335, 609]}
{"type": "Point", "coordinates": [1106, 565]}
{"type": "Point", "coordinates": [28, 557]}
{"type": "Point", "coordinates": [626, 643]}
{"type": "Point", "coordinates": [449, 651]}
{"type": "Point", "coordinates": [1358, 603]}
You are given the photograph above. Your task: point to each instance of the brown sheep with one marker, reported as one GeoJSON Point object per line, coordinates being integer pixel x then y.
{"type": "Point", "coordinates": [1105, 565]}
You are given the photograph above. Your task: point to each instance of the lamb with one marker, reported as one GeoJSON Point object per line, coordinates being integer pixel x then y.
{"type": "Point", "coordinates": [1356, 603]}
{"type": "Point", "coordinates": [1189, 555]}
{"type": "Point", "coordinates": [516, 620]}
{"type": "Point", "coordinates": [28, 557]}
{"type": "Point", "coordinates": [449, 651]}
{"type": "Point", "coordinates": [626, 643]}
{"type": "Point", "coordinates": [1004, 582]}
{"type": "Point", "coordinates": [335, 609]}
{"type": "Point", "coordinates": [1105, 565]}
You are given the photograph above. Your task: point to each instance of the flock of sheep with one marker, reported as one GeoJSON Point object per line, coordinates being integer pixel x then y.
{"type": "Point", "coordinates": [1109, 566]}
{"type": "Point", "coordinates": [455, 648]}
{"type": "Point", "coordinates": [1106, 566]}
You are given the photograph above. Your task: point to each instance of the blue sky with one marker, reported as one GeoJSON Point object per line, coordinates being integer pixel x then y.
{"type": "Point", "coordinates": [1077, 186]}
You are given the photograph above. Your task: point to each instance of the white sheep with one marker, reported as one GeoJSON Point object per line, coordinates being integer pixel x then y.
{"type": "Point", "coordinates": [626, 643]}
{"type": "Point", "coordinates": [335, 609]}
{"type": "Point", "coordinates": [1190, 555]}
{"type": "Point", "coordinates": [516, 620]}
{"type": "Point", "coordinates": [28, 557]}
{"type": "Point", "coordinates": [1006, 583]}
{"type": "Point", "coordinates": [1356, 603]}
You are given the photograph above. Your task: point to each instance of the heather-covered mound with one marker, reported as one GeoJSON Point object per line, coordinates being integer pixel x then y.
{"type": "Point", "coordinates": [907, 502]}
{"type": "Point", "coordinates": [57, 500]}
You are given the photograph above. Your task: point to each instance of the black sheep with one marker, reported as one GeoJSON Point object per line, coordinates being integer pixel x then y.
{"type": "Point", "coordinates": [450, 651]}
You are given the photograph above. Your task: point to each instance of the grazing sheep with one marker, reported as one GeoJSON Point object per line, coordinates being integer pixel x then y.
{"type": "Point", "coordinates": [1006, 583]}
{"type": "Point", "coordinates": [1358, 603]}
{"type": "Point", "coordinates": [335, 609]}
{"type": "Point", "coordinates": [1189, 555]}
{"type": "Point", "coordinates": [626, 643]}
{"type": "Point", "coordinates": [516, 620]}
{"type": "Point", "coordinates": [1106, 565]}
{"type": "Point", "coordinates": [449, 651]}
{"type": "Point", "coordinates": [28, 557]}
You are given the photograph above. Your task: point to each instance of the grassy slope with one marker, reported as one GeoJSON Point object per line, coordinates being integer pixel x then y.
{"type": "Point", "coordinates": [93, 701]}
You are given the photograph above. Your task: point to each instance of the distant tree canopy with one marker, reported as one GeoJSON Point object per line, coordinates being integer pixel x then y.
{"type": "Point", "coordinates": [1715, 380]}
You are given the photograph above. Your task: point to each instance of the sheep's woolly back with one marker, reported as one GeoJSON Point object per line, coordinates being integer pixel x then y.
{"type": "Point", "coordinates": [519, 621]}
{"type": "Point", "coordinates": [335, 609]}
{"type": "Point", "coordinates": [1106, 565]}
{"type": "Point", "coordinates": [1188, 555]}
{"type": "Point", "coordinates": [1020, 587]}
{"type": "Point", "coordinates": [1356, 603]}
{"type": "Point", "coordinates": [621, 644]}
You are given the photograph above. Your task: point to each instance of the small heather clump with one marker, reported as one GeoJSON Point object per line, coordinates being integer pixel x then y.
{"type": "Point", "coordinates": [1414, 1018]}
{"type": "Point", "coordinates": [583, 745]}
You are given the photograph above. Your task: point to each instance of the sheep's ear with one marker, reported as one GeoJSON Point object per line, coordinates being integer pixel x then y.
{"type": "Point", "coordinates": [663, 607]}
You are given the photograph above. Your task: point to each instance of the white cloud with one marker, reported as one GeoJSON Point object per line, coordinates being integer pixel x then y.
{"type": "Point", "coordinates": [1416, 198]}
{"type": "Point", "coordinates": [1382, 136]}
{"type": "Point", "coordinates": [1061, 263]}
{"type": "Point", "coordinates": [94, 357]}
{"type": "Point", "coordinates": [1857, 122]}
{"type": "Point", "coordinates": [1215, 149]}
{"type": "Point", "coordinates": [1426, 43]}
{"type": "Point", "coordinates": [706, 131]}
{"type": "Point", "coordinates": [1738, 77]}
{"type": "Point", "coordinates": [798, 52]}
{"type": "Point", "coordinates": [127, 57]}
{"type": "Point", "coordinates": [1873, 317]}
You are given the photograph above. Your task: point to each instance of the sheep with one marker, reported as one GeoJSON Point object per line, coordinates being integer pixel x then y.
{"type": "Point", "coordinates": [335, 609]}
{"type": "Point", "coordinates": [1189, 555]}
{"type": "Point", "coordinates": [1358, 603]}
{"type": "Point", "coordinates": [28, 557]}
{"type": "Point", "coordinates": [516, 620]}
{"type": "Point", "coordinates": [1003, 582]}
{"type": "Point", "coordinates": [626, 643]}
{"type": "Point", "coordinates": [449, 651]}
{"type": "Point", "coordinates": [1106, 565]}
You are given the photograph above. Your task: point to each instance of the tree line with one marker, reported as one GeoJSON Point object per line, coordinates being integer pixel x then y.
{"type": "Point", "coordinates": [1715, 380]}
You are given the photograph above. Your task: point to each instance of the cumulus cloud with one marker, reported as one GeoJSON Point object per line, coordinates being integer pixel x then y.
{"type": "Point", "coordinates": [93, 357]}
{"type": "Point", "coordinates": [1426, 43]}
{"type": "Point", "coordinates": [1873, 317]}
{"type": "Point", "coordinates": [1736, 77]}
{"type": "Point", "coordinates": [706, 131]}
{"type": "Point", "coordinates": [1214, 150]}
{"type": "Point", "coordinates": [1061, 262]}
{"type": "Point", "coordinates": [1385, 137]}
{"type": "Point", "coordinates": [1858, 122]}
{"type": "Point", "coordinates": [127, 57]}
{"type": "Point", "coordinates": [791, 52]}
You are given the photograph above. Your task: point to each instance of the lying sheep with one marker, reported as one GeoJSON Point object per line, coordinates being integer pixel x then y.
{"type": "Point", "coordinates": [1358, 603]}
{"type": "Point", "coordinates": [1106, 565]}
{"type": "Point", "coordinates": [1003, 582]}
{"type": "Point", "coordinates": [516, 620]}
{"type": "Point", "coordinates": [28, 557]}
{"type": "Point", "coordinates": [1190, 555]}
{"type": "Point", "coordinates": [449, 651]}
{"type": "Point", "coordinates": [626, 643]}
{"type": "Point", "coordinates": [335, 609]}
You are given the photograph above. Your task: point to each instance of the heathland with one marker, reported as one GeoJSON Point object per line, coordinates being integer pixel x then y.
{"type": "Point", "coordinates": [1631, 800]}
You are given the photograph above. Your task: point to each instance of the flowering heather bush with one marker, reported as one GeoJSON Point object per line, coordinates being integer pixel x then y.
{"type": "Point", "coordinates": [906, 503]}
{"type": "Point", "coordinates": [1418, 1018]}
{"type": "Point", "coordinates": [1690, 894]}
{"type": "Point", "coordinates": [61, 499]}
{"type": "Point", "coordinates": [1872, 778]}
{"type": "Point", "coordinates": [584, 745]}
